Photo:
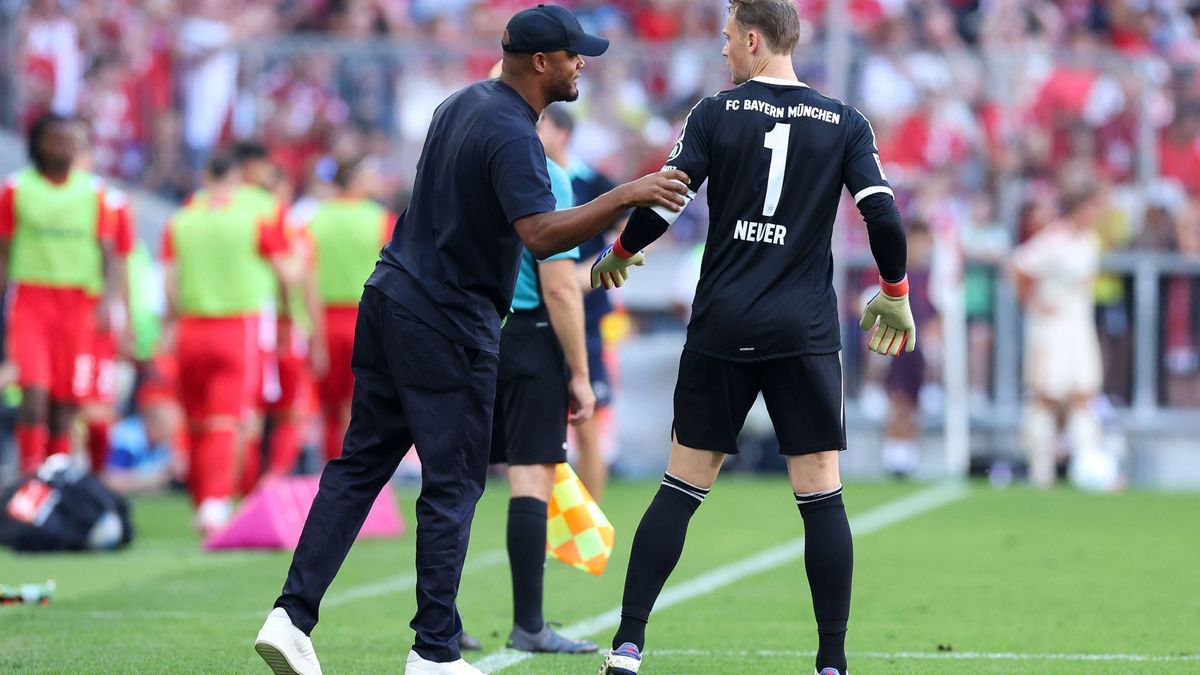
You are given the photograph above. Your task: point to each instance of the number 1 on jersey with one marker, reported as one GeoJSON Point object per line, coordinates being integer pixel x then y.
{"type": "Point", "coordinates": [777, 142]}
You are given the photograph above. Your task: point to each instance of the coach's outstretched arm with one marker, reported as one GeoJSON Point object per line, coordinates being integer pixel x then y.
{"type": "Point", "coordinates": [545, 234]}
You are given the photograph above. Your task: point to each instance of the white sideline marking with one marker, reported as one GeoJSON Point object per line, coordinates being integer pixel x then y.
{"type": "Point", "coordinates": [936, 656]}
{"type": "Point", "coordinates": [395, 584]}
{"type": "Point", "coordinates": [872, 521]}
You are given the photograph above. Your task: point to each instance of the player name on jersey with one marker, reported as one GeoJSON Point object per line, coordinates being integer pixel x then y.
{"type": "Point", "coordinates": [792, 111]}
{"type": "Point", "coordinates": [769, 233]}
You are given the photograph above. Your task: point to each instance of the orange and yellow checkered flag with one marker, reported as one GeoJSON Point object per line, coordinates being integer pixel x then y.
{"type": "Point", "coordinates": [578, 533]}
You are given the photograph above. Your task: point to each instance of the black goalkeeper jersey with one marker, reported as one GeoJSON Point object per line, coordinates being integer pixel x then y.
{"type": "Point", "coordinates": [776, 155]}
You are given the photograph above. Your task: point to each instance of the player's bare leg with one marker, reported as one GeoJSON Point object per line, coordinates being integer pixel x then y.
{"type": "Point", "coordinates": [828, 551]}
{"type": "Point", "coordinates": [214, 469]}
{"type": "Point", "coordinates": [657, 546]}
{"type": "Point", "coordinates": [62, 423]}
{"type": "Point", "coordinates": [531, 486]}
{"type": "Point", "coordinates": [98, 419]}
{"type": "Point", "coordinates": [1041, 432]}
{"type": "Point", "coordinates": [33, 430]}
{"type": "Point", "coordinates": [247, 465]}
{"type": "Point", "coordinates": [1083, 426]}
{"type": "Point", "coordinates": [591, 467]}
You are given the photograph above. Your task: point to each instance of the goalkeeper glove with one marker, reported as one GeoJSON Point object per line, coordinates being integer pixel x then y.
{"type": "Point", "coordinates": [897, 330]}
{"type": "Point", "coordinates": [611, 268]}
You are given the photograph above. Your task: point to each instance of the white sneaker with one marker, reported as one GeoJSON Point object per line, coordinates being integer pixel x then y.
{"type": "Point", "coordinates": [419, 666]}
{"type": "Point", "coordinates": [285, 648]}
{"type": "Point", "coordinates": [213, 515]}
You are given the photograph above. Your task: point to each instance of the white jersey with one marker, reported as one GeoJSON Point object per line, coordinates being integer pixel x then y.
{"type": "Point", "coordinates": [1062, 351]}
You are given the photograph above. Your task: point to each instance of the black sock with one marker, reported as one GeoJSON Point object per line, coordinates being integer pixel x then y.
{"type": "Point", "coordinates": [527, 559]}
{"type": "Point", "coordinates": [656, 548]}
{"type": "Point", "coordinates": [829, 562]}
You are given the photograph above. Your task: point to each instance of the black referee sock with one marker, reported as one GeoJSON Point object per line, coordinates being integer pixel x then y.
{"type": "Point", "coordinates": [829, 562]}
{"type": "Point", "coordinates": [656, 549]}
{"type": "Point", "coordinates": [527, 560]}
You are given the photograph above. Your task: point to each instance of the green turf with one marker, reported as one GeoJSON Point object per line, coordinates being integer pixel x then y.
{"type": "Point", "coordinates": [1013, 571]}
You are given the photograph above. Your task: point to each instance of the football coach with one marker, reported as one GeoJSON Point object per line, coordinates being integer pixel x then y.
{"type": "Point", "coordinates": [427, 339]}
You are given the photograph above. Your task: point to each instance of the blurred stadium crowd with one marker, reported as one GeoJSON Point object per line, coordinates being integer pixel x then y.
{"type": "Point", "coordinates": [986, 113]}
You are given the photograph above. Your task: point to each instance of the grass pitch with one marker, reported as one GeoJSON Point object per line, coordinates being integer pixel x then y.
{"type": "Point", "coordinates": [1006, 581]}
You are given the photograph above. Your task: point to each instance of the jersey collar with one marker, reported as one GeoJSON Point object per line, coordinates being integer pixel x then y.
{"type": "Point", "coordinates": [525, 107]}
{"type": "Point", "coordinates": [777, 81]}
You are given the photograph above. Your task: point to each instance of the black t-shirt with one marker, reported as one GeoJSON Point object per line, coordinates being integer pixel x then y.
{"type": "Point", "coordinates": [776, 155]}
{"type": "Point", "coordinates": [453, 256]}
{"type": "Point", "coordinates": [587, 184]}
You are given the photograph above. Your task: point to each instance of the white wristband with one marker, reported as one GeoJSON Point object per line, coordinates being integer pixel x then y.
{"type": "Point", "coordinates": [667, 214]}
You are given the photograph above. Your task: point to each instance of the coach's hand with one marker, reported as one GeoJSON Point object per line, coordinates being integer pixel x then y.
{"type": "Point", "coordinates": [890, 307]}
{"type": "Point", "coordinates": [611, 268]}
{"type": "Point", "coordinates": [665, 188]}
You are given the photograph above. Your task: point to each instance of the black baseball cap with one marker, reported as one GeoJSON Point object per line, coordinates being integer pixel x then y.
{"type": "Point", "coordinates": [550, 28]}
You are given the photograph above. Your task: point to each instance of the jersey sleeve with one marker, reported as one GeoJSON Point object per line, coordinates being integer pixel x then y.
{"type": "Point", "coordinates": [690, 153]}
{"type": "Point", "coordinates": [560, 186]}
{"type": "Point", "coordinates": [272, 237]}
{"type": "Point", "coordinates": [520, 180]}
{"type": "Point", "coordinates": [8, 213]}
{"type": "Point", "coordinates": [104, 217]}
{"type": "Point", "coordinates": [121, 221]}
{"type": "Point", "coordinates": [862, 171]}
{"type": "Point", "coordinates": [572, 254]}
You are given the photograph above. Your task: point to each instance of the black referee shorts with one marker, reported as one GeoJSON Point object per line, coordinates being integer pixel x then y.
{"type": "Point", "coordinates": [803, 396]}
{"type": "Point", "coordinates": [529, 423]}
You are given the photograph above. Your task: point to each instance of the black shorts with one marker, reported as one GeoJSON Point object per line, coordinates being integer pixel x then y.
{"type": "Point", "coordinates": [803, 396]}
{"type": "Point", "coordinates": [529, 423]}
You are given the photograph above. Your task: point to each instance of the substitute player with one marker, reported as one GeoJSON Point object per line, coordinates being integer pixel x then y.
{"type": "Point", "coordinates": [543, 382]}
{"type": "Point", "coordinates": [764, 317]}
{"type": "Point", "coordinates": [282, 338]}
{"type": "Point", "coordinates": [556, 129]}
{"type": "Point", "coordinates": [111, 340]}
{"type": "Point", "coordinates": [346, 233]}
{"type": "Point", "coordinates": [56, 246]}
{"type": "Point", "coordinates": [213, 250]}
{"type": "Point", "coordinates": [1056, 271]}
{"type": "Point", "coordinates": [425, 347]}
{"type": "Point", "coordinates": [113, 327]}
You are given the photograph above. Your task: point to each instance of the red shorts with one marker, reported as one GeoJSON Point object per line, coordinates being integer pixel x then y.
{"type": "Point", "coordinates": [159, 381]}
{"type": "Point", "coordinates": [291, 361]}
{"type": "Point", "coordinates": [336, 388]}
{"type": "Point", "coordinates": [218, 367]}
{"type": "Point", "coordinates": [50, 333]}
{"type": "Point", "coordinates": [102, 388]}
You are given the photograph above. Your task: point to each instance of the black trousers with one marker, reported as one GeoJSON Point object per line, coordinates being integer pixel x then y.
{"type": "Point", "coordinates": [411, 386]}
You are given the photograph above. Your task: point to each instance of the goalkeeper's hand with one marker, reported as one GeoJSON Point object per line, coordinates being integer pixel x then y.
{"type": "Point", "coordinates": [611, 268]}
{"type": "Point", "coordinates": [897, 330]}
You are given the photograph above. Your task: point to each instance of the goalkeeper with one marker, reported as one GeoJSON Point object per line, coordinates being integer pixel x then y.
{"type": "Point", "coordinates": [777, 155]}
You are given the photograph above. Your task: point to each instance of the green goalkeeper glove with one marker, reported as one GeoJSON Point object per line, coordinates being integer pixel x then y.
{"type": "Point", "coordinates": [611, 268]}
{"type": "Point", "coordinates": [897, 330]}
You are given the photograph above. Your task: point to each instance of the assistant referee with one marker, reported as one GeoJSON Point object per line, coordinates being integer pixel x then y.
{"type": "Point", "coordinates": [426, 343]}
